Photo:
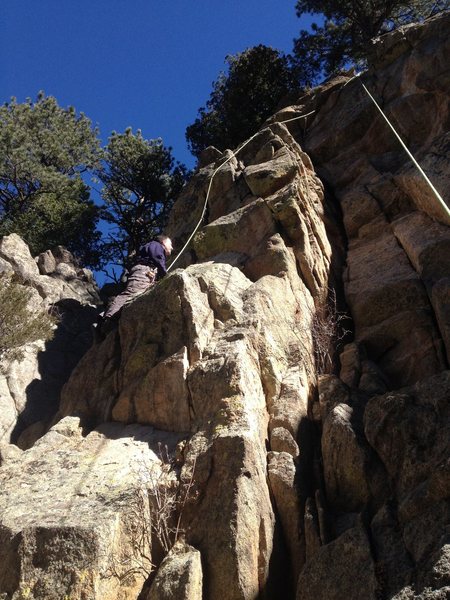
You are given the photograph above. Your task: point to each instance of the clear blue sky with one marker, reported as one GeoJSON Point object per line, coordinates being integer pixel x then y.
{"type": "Point", "coordinates": [147, 64]}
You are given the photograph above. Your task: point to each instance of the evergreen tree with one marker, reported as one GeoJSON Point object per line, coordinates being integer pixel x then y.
{"type": "Point", "coordinates": [348, 28]}
{"type": "Point", "coordinates": [19, 325]}
{"type": "Point", "coordinates": [141, 181]}
{"type": "Point", "coordinates": [241, 99]}
{"type": "Point", "coordinates": [44, 151]}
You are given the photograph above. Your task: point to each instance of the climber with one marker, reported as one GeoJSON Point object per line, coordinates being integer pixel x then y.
{"type": "Point", "coordinates": [150, 266]}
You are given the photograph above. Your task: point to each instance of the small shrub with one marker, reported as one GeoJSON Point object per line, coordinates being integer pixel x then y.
{"type": "Point", "coordinates": [153, 515]}
{"type": "Point", "coordinates": [166, 499]}
{"type": "Point", "coordinates": [18, 324]}
{"type": "Point", "coordinates": [320, 333]}
{"type": "Point", "coordinates": [327, 332]}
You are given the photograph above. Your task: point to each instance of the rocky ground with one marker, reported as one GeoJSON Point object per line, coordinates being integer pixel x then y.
{"type": "Point", "coordinates": [287, 479]}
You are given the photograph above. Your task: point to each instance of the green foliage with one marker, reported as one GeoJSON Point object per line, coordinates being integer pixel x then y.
{"type": "Point", "coordinates": [242, 99]}
{"type": "Point", "coordinates": [141, 181]}
{"type": "Point", "coordinates": [18, 324]}
{"type": "Point", "coordinates": [346, 34]}
{"type": "Point", "coordinates": [44, 150]}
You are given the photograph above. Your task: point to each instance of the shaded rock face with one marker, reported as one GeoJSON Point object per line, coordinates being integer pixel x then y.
{"type": "Point", "coordinates": [30, 388]}
{"type": "Point", "coordinates": [398, 260]}
{"type": "Point", "coordinates": [289, 483]}
{"type": "Point", "coordinates": [385, 447]}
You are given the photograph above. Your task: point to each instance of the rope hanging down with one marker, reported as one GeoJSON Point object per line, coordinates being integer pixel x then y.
{"type": "Point", "coordinates": [421, 171]}
{"type": "Point", "coordinates": [232, 155]}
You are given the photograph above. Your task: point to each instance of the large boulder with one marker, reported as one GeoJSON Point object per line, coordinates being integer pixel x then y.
{"type": "Point", "coordinates": [331, 573]}
{"type": "Point", "coordinates": [75, 519]}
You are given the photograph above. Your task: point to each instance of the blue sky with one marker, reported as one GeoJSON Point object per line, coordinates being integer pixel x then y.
{"type": "Point", "coordinates": [148, 64]}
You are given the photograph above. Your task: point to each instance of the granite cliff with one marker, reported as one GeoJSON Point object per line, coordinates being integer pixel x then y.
{"type": "Point", "coordinates": [212, 417]}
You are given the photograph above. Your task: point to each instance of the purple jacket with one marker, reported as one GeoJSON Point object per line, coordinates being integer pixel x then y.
{"type": "Point", "coordinates": [153, 255]}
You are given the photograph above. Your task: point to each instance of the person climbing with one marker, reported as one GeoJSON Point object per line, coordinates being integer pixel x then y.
{"type": "Point", "coordinates": [150, 266]}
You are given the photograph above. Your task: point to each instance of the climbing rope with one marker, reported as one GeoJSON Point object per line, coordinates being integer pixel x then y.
{"type": "Point", "coordinates": [232, 155]}
{"type": "Point", "coordinates": [421, 171]}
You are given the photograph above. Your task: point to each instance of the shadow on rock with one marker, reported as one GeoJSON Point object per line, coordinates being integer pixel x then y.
{"type": "Point", "coordinates": [72, 339]}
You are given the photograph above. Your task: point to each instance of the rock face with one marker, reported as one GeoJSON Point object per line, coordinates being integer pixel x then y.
{"type": "Point", "coordinates": [30, 389]}
{"type": "Point", "coordinates": [398, 259]}
{"type": "Point", "coordinates": [385, 447]}
{"type": "Point", "coordinates": [286, 482]}
{"type": "Point", "coordinates": [216, 358]}
{"type": "Point", "coordinates": [179, 576]}
{"type": "Point", "coordinates": [78, 536]}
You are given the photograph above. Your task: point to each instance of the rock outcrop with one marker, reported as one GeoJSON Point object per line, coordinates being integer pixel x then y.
{"type": "Point", "coordinates": [209, 353]}
{"type": "Point", "coordinates": [82, 535]}
{"type": "Point", "coordinates": [396, 285]}
{"type": "Point", "coordinates": [286, 482]}
{"type": "Point", "coordinates": [398, 259]}
{"type": "Point", "coordinates": [179, 576]}
{"type": "Point", "coordinates": [30, 388]}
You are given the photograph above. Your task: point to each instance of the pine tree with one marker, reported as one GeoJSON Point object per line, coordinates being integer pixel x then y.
{"type": "Point", "coordinates": [241, 99]}
{"type": "Point", "coordinates": [348, 30]}
{"type": "Point", "coordinates": [19, 325]}
{"type": "Point", "coordinates": [44, 152]}
{"type": "Point", "coordinates": [141, 181]}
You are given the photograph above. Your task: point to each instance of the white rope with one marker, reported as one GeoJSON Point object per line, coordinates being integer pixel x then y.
{"type": "Point", "coordinates": [422, 172]}
{"type": "Point", "coordinates": [232, 155]}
